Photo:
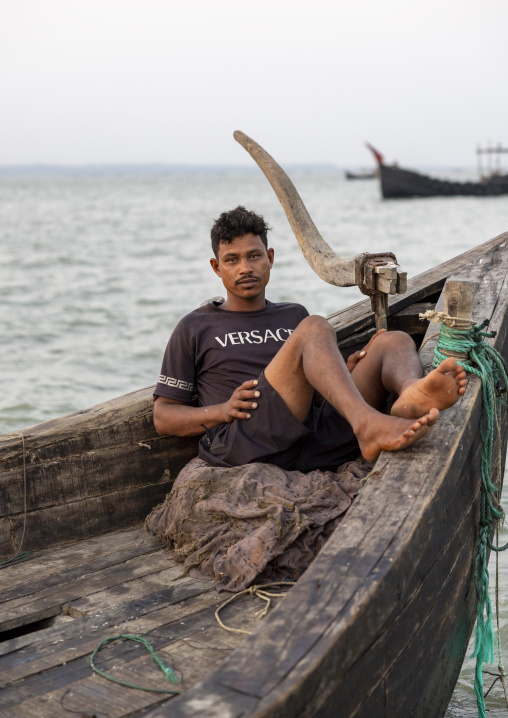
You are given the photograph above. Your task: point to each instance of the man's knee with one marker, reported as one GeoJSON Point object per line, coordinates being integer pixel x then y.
{"type": "Point", "coordinates": [315, 325]}
{"type": "Point", "coordinates": [394, 341]}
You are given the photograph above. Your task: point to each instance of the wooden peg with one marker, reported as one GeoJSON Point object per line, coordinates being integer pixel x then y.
{"type": "Point", "coordinates": [459, 295]}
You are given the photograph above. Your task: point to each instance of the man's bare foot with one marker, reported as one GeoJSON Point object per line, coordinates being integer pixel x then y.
{"type": "Point", "coordinates": [440, 389]}
{"type": "Point", "coordinates": [388, 433]}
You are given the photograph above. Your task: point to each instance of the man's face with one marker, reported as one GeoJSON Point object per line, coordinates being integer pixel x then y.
{"type": "Point", "coordinates": [244, 266]}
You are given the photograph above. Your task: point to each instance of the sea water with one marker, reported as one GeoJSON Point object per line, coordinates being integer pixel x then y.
{"type": "Point", "coordinates": [97, 266]}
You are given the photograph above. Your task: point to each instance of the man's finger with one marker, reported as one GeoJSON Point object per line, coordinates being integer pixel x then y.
{"type": "Point", "coordinates": [240, 414]}
{"type": "Point", "coordinates": [354, 359]}
{"type": "Point", "coordinates": [246, 405]}
{"type": "Point", "coordinates": [357, 356]}
{"type": "Point", "coordinates": [245, 394]}
{"type": "Point", "coordinates": [248, 384]}
{"type": "Point", "coordinates": [379, 331]}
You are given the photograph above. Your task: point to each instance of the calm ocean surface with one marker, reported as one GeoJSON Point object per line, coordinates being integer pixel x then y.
{"type": "Point", "coordinates": [97, 268]}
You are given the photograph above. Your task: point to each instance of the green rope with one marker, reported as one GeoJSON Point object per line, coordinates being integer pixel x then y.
{"type": "Point", "coordinates": [14, 559]}
{"type": "Point", "coordinates": [489, 365]}
{"type": "Point", "coordinates": [168, 672]}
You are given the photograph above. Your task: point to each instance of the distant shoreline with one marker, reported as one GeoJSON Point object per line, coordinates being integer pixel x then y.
{"type": "Point", "coordinates": [146, 169]}
{"type": "Point", "coordinates": [169, 170]}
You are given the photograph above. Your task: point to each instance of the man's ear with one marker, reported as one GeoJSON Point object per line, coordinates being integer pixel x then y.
{"type": "Point", "coordinates": [215, 266]}
{"type": "Point", "coordinates": [270, 254]}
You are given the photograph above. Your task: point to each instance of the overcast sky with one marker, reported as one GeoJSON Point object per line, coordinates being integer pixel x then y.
{"type": "Point", "coordinates": [109, 81]}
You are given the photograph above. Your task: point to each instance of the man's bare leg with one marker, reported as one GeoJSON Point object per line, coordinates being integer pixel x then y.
{"type": "Point", "coordinates": [311, 360]}
{"type": "Point", "coordinates": [392, 365]}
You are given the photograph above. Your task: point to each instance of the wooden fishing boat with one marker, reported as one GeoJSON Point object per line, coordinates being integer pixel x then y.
{"type": "Point", "coordinates": [397, 182]}
{"type": "Point", "coordinates": [366, 174]}
{"type": "Point", "coordinates": [377, 626]}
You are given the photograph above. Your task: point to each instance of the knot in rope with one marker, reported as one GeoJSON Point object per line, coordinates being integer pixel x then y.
{"type": "Point", "coordinates": [469, 347]}
{"type": "Point", "coordinates": [457, 322]}
{"type": "Point", "coordinates": [256, 591]}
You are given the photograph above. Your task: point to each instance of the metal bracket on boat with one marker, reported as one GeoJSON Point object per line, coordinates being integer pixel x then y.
{"type": "Point", "coordinates": [377, 275]}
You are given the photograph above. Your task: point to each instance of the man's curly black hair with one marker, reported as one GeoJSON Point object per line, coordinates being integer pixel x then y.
{"type": "Point", "coordinates": [236, 223]}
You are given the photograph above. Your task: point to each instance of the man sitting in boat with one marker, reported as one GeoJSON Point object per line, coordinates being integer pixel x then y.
{"type": "Point", "coordinates": [271, 383]}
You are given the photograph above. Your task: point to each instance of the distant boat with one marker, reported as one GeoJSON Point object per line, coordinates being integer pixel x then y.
{"type": "Point", "coordinates": [367, 174]}
{"type": "Point", "coordinates": [399, 182]}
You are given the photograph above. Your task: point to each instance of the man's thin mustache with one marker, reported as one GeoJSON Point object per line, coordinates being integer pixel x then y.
{"type": "Point", "coordinates": [246, 279]}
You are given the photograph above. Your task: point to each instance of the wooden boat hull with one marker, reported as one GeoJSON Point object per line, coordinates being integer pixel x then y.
{"type": "Point", "coordinates": [361, 175]}
{"type": "Point", "coordinates": [379, 623]}
{"type": "Point", "coordinates": [401, 183]}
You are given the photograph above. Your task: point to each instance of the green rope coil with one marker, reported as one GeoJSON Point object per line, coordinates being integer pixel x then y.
{"type": "Point", "coordinates": [168, 672]}
{"type": "Point", "coordinates": [489, 365]}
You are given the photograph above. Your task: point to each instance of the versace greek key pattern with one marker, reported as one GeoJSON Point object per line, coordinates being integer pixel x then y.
{"type": "Point", "coordinates": [177, 383]}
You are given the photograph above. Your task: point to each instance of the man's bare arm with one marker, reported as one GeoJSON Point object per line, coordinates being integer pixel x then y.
{"type": "Point", "coordinates": [180, 419]}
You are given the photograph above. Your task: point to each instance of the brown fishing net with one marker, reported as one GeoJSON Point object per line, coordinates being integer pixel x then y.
{"type": "Point", "coordinates": [254, 522]}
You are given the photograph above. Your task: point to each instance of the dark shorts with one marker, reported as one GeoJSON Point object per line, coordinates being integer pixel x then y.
{"type": "Point", "coordinates": [272, 435]}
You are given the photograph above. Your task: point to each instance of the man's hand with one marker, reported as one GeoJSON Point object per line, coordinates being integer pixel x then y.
{"type": "Point", "coordinates": [241, 403]}
{"type": "Point", "coordinates": [358, 356]}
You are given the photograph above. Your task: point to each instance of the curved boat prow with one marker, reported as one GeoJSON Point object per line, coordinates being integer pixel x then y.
{"type": "Point", "coordinates": [379, 157]}
{"type": "Point", "coordinates": [376, 275]}
{"type": "Point", "coordinates": [320, 256]}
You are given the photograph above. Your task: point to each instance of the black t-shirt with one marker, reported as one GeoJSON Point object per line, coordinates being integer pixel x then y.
{"type": "Point", "coordinates": [212, 351]}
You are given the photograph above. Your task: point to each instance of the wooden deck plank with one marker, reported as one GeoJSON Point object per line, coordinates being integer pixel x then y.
{"type": "Point", "coordinates": [194, 641]}
{"type": "Point", "coordinates": [128, 591]}
{"type": "Point", "coordinates": [49, 561]}
{"type": "Point", "coordinates": [178, 591]}
{"type": "Point", "coordinates": [50, 568]}
{"type": "Point", "coordinates": [51, 647]}
{"type": "Point", "coordinates": [48, 601]}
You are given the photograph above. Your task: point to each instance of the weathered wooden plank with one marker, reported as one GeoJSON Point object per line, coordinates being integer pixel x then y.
{"type": "Point", "coordinates": [173, 614]}
{"type": "Point", "coordinates": [402, 697]}
{"type": "Point", "coordinates": [157, 615]}
{"type": "Point", "coordinates": [208, 699]}
{"type": "Point", "coordinates": [434, 697]}
{"type": "Point", "coordinates": [81, 519]}
{"type": "Point", "coordinates": [49, 599]}
{"type": "Point", "coordinates": [128, 591]}
{"type": "Point", "coordinates": [408, 319]}
{"type": "Point", "coordinates": [50, 561]}
{"type": "Point", "coordinates": [95, 472]}
{"type": "Point", "coordinates": [195, 644]}
{"type": "Point", "coordinates": [398, 659]}
{"type": "Point", "coordinates": [49, 569]}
